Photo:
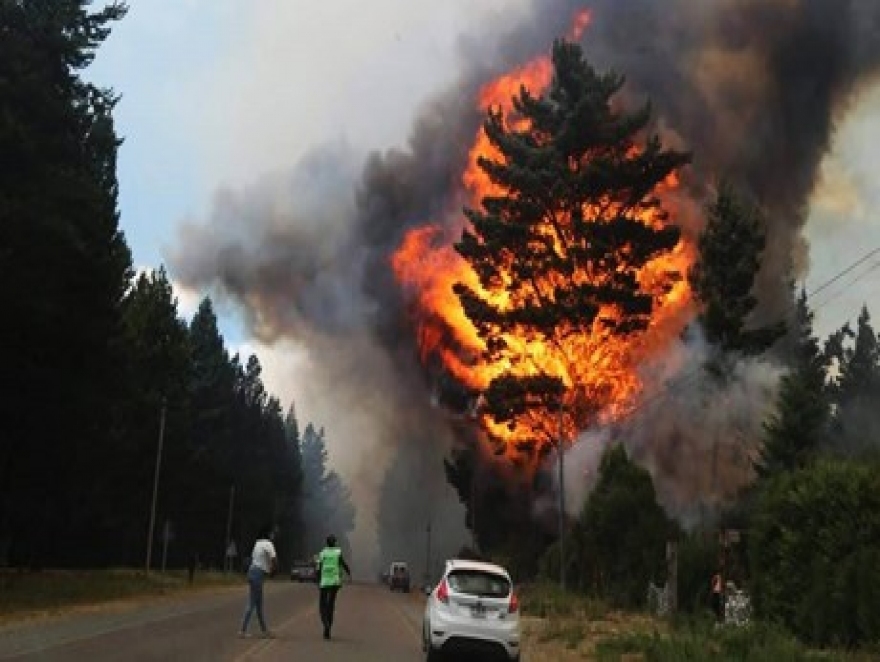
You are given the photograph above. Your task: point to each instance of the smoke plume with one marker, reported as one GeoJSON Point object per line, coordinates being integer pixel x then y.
{"type": "Point", "coordinates": [753, 87]}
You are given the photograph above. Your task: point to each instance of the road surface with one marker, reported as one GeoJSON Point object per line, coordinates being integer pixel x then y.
{"type": "Point", "coordinates": [372, 625]}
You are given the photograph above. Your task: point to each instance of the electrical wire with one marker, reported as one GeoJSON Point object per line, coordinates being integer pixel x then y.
{"type": "Point", "coordinates": [843, 273]}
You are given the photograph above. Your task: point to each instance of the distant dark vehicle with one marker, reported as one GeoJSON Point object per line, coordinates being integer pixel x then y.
{"type": "Point", "coordinates": [398, 577]}
{"type": "Point", "coordinates": [303, 571]}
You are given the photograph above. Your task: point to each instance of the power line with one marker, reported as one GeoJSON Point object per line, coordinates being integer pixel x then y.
{"type": "Point", "coordinates": [850, 283]}
{"type": "Point", "coordinates": [843, 273]}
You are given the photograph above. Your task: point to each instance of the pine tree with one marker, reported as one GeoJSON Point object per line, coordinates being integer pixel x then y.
{"type": "Point", "coordinates": [327, 504]}
{"type": "Point", "coordinates": [799, 427]}
{"type": "Point", "coordinates": [294, 516]}
{"type": "Point", "coordinates": [860, 364]}
{"type": "Point", "coordinates": [211, 438]}
{"type": "Point", "coordinates": [856, 388]}
{"type": "Point", "coordinates": [612, 561]}
{"type": "Point", "coordinates": [558, 251]}
{"type": "Point", "coordinates": [66, 268]}
{"type": "Point", "coordinates": [157, 371]}
{"type": "Point", "coordinates": [723, 277]}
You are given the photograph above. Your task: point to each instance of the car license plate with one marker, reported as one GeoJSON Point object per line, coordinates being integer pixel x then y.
{"type": "Point", "coordinates": [478, 612]}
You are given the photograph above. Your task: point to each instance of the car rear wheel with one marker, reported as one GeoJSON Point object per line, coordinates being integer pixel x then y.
{"type": "Point", "coordinates": [431, 653]}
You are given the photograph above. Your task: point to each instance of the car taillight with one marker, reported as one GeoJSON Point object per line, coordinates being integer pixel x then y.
{"type": "Point", "coordinates": [443, 592]}
{"type": "Point", "coordinates": [514, 603]}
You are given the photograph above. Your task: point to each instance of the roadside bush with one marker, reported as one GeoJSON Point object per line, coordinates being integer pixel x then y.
{"type": "Point", "coordinates": [815, 553]}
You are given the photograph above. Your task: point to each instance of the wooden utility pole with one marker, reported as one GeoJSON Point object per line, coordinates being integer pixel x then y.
{"type": "Point", "coordinates": [672, 576]}
{"type": "Point", "coordinates": [560, 450]}
{"type": "Point", "coordinates": [227, 560]}
{"type": "Point", "coordinates": [155, 486]}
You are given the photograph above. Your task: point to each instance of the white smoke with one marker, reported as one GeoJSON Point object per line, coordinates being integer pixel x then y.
{"type": "Point", "coordinates": [696, 433]}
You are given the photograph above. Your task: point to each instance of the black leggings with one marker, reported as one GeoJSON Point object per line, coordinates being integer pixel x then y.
{"type": "Point", "coordinates": [328, 605]}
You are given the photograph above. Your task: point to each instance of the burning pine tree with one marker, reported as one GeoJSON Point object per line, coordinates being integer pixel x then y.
{"type": "Point", "coordinates": [568, 248]}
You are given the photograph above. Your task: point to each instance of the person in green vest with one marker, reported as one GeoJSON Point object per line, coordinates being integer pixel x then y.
{"type": "Point", "coordinates": [330, 566]}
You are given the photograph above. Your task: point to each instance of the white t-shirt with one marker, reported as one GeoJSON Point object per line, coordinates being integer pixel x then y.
{"type": "Point", "coordinates": [261, 557]}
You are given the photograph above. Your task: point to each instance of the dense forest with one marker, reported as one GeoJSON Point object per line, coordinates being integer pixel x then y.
{"type": "Point", "coordinates": [112, 397]}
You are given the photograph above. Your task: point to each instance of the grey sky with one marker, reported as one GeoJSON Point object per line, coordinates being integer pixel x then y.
{"type": "Point", "coordinates": [216, 93]}
{"type": "Point", "coordinates": [844, 222]}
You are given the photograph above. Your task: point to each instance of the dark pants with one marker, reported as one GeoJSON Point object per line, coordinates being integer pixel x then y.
{"type": "Point", "coordinates": [718, 605]}
{"type": "Point", "coordinates": [328, 605]}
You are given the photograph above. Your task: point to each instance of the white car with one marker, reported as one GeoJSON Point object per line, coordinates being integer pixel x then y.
{"type": "Point", "coordinates": [474, 609]}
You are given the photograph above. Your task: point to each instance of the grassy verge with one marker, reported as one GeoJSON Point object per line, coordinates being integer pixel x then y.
{"type": "Point", "coordinates": [559, 627]}
{"type": "Point", "coordinates": [549, 601]}
{"type": "Point", "coordinates": [25, 595]}
{"type": "Point", "coordinates": [756, 643]}
{"type": "Point", "coordinates": [703, 641]}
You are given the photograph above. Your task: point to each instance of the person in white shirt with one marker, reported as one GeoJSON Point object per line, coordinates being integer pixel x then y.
{"type": "Point", "coordinates": [263, 563]}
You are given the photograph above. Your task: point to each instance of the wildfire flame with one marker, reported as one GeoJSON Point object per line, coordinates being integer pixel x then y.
{"type": "Point", "coordinates": [596, 367]}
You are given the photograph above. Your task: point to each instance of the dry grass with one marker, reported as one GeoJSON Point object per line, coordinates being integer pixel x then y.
{"type": "Point", "coordinates": [561, 626]}
{"type": "Point", "coordinates": [564, 627]}
{"type": "Point", "coordinates": [34, 595]}
{"type": "Point", "coordinates": [576, 637]}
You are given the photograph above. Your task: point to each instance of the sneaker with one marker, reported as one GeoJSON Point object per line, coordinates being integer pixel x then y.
{"type": "Point", "coordinates": [243, 635]}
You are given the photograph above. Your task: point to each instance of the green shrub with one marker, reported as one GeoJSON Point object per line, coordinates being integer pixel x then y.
{"type": "Point", "coordinates": [815, 553]}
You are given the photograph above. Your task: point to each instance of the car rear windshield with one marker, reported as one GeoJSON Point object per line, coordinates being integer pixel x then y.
{"type": "Point", "coordinates": [479, 582]}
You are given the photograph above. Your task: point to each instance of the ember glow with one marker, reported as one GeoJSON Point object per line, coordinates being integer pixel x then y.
{"type": "Point", "coordinates": [599, 370]}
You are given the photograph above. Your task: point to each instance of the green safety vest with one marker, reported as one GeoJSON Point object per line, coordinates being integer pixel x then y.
{"type": "Point", "coordinates": [329, 558]}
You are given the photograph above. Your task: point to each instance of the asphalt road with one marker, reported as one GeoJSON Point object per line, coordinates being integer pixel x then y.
{"type": "Point", "coordinates": [372, 625]}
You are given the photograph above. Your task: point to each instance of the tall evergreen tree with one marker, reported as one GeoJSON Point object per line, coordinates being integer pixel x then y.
{"type": "Point", "coordinates": [158, 368]}
{"type": "Point", "coordinates": [860, 364]}
{"type": "Point", "coordinates": [798, 428]}
{"type": "Point", "coordinates": [292, 515]}
{"type": "Point", "coordinates": [211, 439]}
{"type": "Point", "coordinates": [558, 250]}
{"type": "Point", "coordinates": [612, 561]}
{"type": "Point", "coordinates": [257, 458]}
{"type": "Point", "coordinates": [65, 267]}
{"type": "Point", "coordinates": [326, 500]}
{"type": "Point", "coordinates": [723, 278]}
{"type": "Point", "coordinates": [856, 387]}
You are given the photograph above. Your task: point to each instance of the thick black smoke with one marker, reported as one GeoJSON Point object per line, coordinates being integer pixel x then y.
{"type": "Point", "coordinates": [753, 87]}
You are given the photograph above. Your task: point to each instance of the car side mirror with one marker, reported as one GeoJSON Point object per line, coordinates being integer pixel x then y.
{"type": "Point", "coordinates": [428, 590]}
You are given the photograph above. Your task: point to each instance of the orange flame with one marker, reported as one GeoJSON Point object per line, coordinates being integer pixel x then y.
{"type": "Point", "coordinates": [595, 367]}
